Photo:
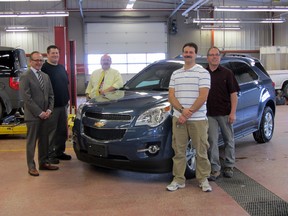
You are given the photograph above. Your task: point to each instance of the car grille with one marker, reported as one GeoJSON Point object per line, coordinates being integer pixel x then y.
{"type": "Point", "coordinates": [108, 116]}
{"type": "Point", "coordinates": [104, 134]}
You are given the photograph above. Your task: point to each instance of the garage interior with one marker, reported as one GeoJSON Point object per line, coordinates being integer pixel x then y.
{"type": "Point", "coordinates": [257, 188]}
{"type": "Point", "coordinates": [259, 185]}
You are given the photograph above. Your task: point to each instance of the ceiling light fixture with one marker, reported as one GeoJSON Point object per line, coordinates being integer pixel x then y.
{"type": "Point", "coordinates": [251, 8]}
{"type": "Point", "coordinates": [34, 14]}
{"type": "Point", "coordinates": [25, 0]}
{"type": "Point", "coordinates": [176, 9]}
{"type": "Point", "coordinates": [130, 4]}
{"type": "Point", "coordinates": [211, 20]}
{"type": "Point", "coordinates": [25, 29]}
{"type": "Point", "coordinates": [16, 29]}
{"type": "Point", "coordinates": [220, 28]}
{"type": "Point", "coordinates": [195, 6]}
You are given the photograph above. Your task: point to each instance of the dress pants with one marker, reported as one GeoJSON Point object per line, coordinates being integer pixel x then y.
{"type": "Point", "coordinates": [37, 131]}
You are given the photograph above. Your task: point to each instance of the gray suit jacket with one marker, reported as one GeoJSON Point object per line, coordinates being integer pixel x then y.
{"type": "Point", "coordinates": [35, 99]}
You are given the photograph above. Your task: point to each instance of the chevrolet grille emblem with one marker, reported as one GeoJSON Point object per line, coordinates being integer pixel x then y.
{"type": "Point", "coordinates": [99, 124]}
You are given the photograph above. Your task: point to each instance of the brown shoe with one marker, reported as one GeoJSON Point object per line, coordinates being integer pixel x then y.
{"type": "Point", "coordinates": [48, 166]}
{"type": "Point", "coordinates": [33, 172]}
{"type": "Point", "coordinates": [214, 175]}
{"type": "Point", "coordinates": [228, 172]}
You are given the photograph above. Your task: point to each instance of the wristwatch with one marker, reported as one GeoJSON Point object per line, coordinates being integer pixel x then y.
{"type": "Point", "coordinates": [181, 109]}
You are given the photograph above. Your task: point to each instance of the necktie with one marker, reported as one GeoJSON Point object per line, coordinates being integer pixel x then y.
{"type": "Point", "coordinates": [100, 83]}
{"type": "Point", "coordinates": [40, 78]}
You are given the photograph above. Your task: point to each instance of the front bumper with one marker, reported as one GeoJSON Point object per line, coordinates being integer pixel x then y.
{"type": "Point", "coordinates": [127, 154]}
{"type": "Point", "coordinates": [161, 166]}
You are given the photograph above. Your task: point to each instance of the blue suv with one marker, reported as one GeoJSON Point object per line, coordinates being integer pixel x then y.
{"type": "Point", "coordinates": [131, 128]}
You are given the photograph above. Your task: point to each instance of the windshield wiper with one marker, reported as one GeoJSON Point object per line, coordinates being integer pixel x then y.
{"type": "Point", "coordinates": [160, 89]}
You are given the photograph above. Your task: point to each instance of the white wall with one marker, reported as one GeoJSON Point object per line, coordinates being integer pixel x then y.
{"type": "Point", "coordinates": [250, 37]}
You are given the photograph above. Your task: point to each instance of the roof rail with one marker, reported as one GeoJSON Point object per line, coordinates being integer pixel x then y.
{"type": "Point", "coordinates": [237, 54]}
{"type": "Point", "coordinates": [180, 56]}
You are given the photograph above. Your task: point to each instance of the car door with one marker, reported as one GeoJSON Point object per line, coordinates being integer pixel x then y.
{"type": "Point", "coordinates": [237, 124]}
{"type": "Point", "coordinates": [249, 95]}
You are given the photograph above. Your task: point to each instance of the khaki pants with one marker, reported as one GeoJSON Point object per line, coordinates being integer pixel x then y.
{"type": "Point", "coordinates": [197, 131]}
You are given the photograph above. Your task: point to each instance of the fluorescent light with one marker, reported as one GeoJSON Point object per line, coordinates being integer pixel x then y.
{"type": "Point", "coordinates": [251, 8]}
{"type": "Point", "coordinates": [176, 9]}
{"type": "Point", "coordinates": [24, 29]}
{"type": "Point", "coordinates": [220, 28]}
{"type": "Point", "coordinates": [25, 0]}
{"type": "Point", "coordinates": [35, 14]}
{"type": "Point", "coordinates": [16, 29]}
{"type": "Point", "coordinates": [130, 4]}
{"type": "Point", "coordinates": [195, 6]}
{"type": "Point", "coordinates": [211, 20]}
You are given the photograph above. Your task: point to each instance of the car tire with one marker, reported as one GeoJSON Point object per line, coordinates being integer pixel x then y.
{"type": "Point", "coordinates": [280, 100]}
{"type": "Point", "coordinates": [285, 91]}
{"type": "Point", "coordinates": [265, 132]}
{"type": "Point", "coordinates": [191, 161]}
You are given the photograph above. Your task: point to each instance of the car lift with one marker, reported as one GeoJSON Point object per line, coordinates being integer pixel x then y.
{"type": "Point", "coordinates": [14, 124]}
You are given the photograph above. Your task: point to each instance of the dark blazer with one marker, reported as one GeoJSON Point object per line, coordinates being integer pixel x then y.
{"type": "Point", "coordinates": [35, 100]}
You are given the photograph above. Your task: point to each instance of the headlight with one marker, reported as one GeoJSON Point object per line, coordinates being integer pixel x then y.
{"type": "Point", "coordinates": [79, 111]}
{"type": "Point", "coordinates": [154, 116]}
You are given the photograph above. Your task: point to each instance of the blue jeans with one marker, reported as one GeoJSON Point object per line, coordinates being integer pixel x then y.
{"type": "Point", "coordinates": [58, 131]}
{"type": "Point", "coordinates": [227, 132]}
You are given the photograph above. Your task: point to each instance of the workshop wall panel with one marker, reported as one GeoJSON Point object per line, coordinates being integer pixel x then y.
{"type": "Point", "coordinates": [125, 38]}
{"type": "Point", "coordinates": [29, 41]}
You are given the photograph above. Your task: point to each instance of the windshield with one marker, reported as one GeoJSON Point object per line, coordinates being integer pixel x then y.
{"type": "Point", "coordinates": [154, 77]}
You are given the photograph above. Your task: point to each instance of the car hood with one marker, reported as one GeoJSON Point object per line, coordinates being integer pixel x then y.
{"type": "Point", "coordinates": [123, 101]}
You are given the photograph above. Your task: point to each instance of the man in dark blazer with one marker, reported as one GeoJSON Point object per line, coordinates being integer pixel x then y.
{"type": "Point", "coordinates": [37, 93]}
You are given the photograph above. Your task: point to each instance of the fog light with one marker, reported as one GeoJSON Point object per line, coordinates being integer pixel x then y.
{"type": "Point", "coordinates": [152, 149]}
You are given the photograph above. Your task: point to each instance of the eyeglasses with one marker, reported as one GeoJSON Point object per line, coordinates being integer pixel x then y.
{"type": "Point", "coordinates": [218, 54]}
{"type": "Point", "coordinates": [37, 60]}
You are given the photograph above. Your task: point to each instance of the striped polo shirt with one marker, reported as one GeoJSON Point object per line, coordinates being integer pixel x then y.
{"type": "Point", "coordinates": [186, 84]}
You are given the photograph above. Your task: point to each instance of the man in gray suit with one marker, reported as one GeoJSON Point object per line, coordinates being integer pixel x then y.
{"type": "Point", "coordinates": [37, 93]}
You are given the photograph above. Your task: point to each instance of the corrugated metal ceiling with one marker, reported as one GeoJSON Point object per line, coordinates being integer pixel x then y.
{"type": "Point", "coordinates": [114, 5]}
{"type": "Point", "coordinates": [166, 4]}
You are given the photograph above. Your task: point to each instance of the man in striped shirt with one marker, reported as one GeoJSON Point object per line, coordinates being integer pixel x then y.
{"type": "Point", "coordinates": [188, 92]}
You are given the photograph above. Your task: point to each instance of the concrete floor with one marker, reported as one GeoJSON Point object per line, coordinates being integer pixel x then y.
{"type": "Point", "coordinates": [80, 189]}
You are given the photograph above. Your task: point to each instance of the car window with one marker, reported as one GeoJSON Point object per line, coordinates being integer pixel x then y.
{"type": "Point", "coordinates": [260, 66]}
{"type": "Point", "coordinates": [12, 60]}
{"type": "Point", "coordinates": [154, 77]}
{"type": "Point", "coordinates": [243, 72]}
{"type": "Point", "coordinates": [6, 61]}
{"type": "Point", "coordinates": [227, 65]}
{"type": "Point", "coordinates": [20, 58]}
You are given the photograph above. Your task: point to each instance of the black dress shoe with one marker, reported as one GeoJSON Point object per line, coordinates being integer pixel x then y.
{"type": "Point", "coordinates": [48, 166]}
{"type": "Point", "coordinates": [53, 160]}
{"type": "Point", "coordinates": [33, 172]}
{"type": "Point", "coordinates": [64, 156]}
